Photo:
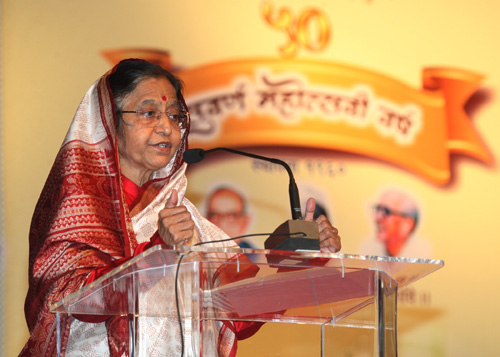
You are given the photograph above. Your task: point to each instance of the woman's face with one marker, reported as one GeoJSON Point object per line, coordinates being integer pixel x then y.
{"type": "Point", "coordinates": [144, 149]}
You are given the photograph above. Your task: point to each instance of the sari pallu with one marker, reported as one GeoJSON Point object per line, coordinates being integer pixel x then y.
{"type": "Point", "coordinates": [81, 222]}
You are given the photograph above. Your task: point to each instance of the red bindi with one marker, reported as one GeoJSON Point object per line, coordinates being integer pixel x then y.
{"type": "Point", "coordinates": [164, 98]}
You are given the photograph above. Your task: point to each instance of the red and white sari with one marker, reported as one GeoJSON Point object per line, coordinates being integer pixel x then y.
{"type": "Point", "coordinates": [82, 224]}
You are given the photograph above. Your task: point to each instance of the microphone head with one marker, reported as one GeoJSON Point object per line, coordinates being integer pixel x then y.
{"type": "Point", "coordinates": [192, 156]}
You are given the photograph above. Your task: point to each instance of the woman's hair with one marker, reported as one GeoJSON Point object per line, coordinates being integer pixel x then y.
{"type": "Point", "coordinates": [127, 75]}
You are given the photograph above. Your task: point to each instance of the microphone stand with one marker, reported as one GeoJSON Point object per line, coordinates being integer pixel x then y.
{"type": "Point", "coordinates": [282, 240]}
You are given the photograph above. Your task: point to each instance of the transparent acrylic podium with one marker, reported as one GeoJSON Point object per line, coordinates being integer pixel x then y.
{"type": "Point", "coordinates": [212, 285]}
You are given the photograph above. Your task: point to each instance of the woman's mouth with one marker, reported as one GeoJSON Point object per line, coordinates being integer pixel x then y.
{"type": "Point", "coordinates": [163, 146]}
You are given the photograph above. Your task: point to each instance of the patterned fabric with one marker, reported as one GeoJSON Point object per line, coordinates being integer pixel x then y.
{"type": "Point", "coordinates": [81, 222]}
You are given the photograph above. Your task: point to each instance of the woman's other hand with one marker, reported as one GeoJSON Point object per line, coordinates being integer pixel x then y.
{"type": "Point", "coordinates": [175, 225]}
{"type": "Point", "coordinates": [329, 239]}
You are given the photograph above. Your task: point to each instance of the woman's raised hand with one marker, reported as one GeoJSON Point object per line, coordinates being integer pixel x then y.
{"type": "Point", "coordinates": [329, 239]}
{"type": "Point", "coordinates": [175, 225]}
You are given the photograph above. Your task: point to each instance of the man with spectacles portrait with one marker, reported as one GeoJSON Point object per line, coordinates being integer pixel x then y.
{"type": "Point", "coordinates": [227, 209]}
{"type": "Point", "coordinates": [396, 217]}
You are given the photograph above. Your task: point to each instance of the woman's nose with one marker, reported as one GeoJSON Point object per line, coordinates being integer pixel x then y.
{"type": "Point", "coordinates": [164, 125]}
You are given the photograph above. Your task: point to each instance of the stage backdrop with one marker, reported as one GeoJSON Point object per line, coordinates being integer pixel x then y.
{"type": "Point", "coordinates": [386, 111]}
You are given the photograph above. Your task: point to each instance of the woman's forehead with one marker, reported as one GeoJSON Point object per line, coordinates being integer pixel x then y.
{"type": "Point", "coordinates": [171, 102]}
{"type": "Point", "coordinates": [153, 91]}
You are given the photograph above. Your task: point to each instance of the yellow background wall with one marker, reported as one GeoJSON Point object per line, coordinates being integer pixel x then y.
{"type": "Point", "coordinates": [51, 53]}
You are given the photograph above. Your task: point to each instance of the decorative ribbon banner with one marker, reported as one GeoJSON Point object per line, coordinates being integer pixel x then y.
{"type": "Point", "coordinates": [294, 103]}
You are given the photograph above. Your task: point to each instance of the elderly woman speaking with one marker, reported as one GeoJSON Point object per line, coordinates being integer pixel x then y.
{"type": "Point", "coordinates": [117, 188]}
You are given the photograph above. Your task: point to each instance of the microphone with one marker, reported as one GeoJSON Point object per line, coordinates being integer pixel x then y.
{"type": "Point", "coordinates": [192, 156]}
{"type": "Point", "coordinates": [284, 241]}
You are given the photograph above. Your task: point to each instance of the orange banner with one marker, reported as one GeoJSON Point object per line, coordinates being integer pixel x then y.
{"type": "Point", "coordinates": [297, 103]}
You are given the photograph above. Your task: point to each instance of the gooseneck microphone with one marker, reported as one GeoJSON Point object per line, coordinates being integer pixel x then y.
{"type": "Point", "coordinates": [192, 156]}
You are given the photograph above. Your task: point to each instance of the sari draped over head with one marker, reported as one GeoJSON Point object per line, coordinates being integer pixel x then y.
{"type": "Point", "coordinates": [82, 223]}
